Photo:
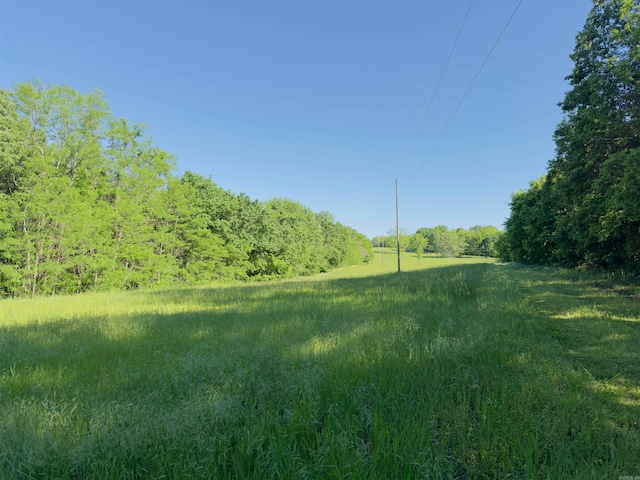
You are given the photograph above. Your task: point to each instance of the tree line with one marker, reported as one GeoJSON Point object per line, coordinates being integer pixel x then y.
{"type": "Point", "coordinates": [89, 202]}
{"type": "Point", "coordinates": [477, 241]}
{"type": "Point", "coordinates": [585, 212]}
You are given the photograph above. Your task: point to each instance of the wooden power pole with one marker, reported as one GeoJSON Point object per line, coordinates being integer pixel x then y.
{"type": "Point", "coordinates": [397, 226]}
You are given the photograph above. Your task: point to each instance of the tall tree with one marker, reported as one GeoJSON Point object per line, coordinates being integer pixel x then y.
{"type": "Point", "coordinates": [53, 180]}
{"type": "Point", "coordinates": [89, 202]}
{"type": "Point", "coordinates": [143, 242]}
{"type": "Point", "coordinates": [587, 203]}
{"type": "Point", "coordinates": [418, 243]}
{"type": "Point", "coordinates": [448, 243]}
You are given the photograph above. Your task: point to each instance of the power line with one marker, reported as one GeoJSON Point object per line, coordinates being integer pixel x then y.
{"type": "Point", "coordinates": [463, 97]}
{"type": "Point", "coordinates": [435, 92]}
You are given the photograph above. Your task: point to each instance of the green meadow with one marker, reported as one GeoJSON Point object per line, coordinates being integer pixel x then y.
{"type": "Point", "coordinates": [452, 369]}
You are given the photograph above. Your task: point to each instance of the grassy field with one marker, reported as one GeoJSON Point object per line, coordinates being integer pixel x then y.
{"type": "Point", "coordinates": [453, 369]}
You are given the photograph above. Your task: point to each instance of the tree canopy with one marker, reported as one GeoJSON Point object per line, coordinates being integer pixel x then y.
{"type": "Point", "coordinates": [477, 241]}
{"type": "Point", "coordinates": [89, 202]}
{"type": "Point", "coordinates": [586, 210]}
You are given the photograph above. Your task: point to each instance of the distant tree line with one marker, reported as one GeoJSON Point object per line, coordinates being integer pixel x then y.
{"type": "Point", "coordinates": [585, 212]}
{"type": "Point", "coordinates": [477, 241]}
{"type": "Point", "coordinates": [89, 202]}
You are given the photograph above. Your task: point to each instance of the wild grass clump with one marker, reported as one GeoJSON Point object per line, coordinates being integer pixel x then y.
{"type": "Point", "coordinates": [471, 370]}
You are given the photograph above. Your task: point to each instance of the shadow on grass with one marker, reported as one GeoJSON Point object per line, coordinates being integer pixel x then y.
{"type": "Point", "coordinates": [478, 371]}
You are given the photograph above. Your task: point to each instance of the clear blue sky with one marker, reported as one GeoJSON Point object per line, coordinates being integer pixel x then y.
{"type": "Point", "coordinates": [319, 101]}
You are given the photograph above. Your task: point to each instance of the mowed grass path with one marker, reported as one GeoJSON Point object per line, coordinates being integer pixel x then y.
{"type": "Point", "coordinates": [454, 369]}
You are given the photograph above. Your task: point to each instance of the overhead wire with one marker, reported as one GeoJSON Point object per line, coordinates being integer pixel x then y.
{"type": "Point", "coordinates": [455, 110]}
{"type": "Point", "coordinates": [435, 91]}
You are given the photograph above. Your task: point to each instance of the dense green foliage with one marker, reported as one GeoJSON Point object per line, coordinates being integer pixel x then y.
{"type": "Point", "coordinates": [477, 241]}
{"type": "Point", "coordinates": [464, 369]}
{"type": "Point", "coordinates": [586, 210]}
{"type": "Point", "coordinates": [89, 202]}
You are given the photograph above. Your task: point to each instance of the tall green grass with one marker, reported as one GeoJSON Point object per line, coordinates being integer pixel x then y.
{"type": "Point", "coordinates": [452, 369]}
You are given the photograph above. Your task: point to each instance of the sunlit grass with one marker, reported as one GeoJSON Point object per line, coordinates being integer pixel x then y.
{"type": "Point", "coordinates": [386, 261]}
{"type": "Point", "coordinates": [455, 368]}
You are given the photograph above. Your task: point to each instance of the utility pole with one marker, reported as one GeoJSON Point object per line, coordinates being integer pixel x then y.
{"type": "Point", "coordinates": [397, 226]}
